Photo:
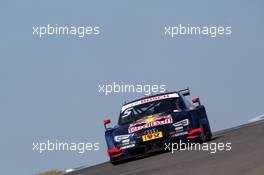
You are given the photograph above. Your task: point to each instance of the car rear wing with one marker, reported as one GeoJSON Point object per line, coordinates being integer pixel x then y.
{"type": "Point", "coordinates": [184, 92]}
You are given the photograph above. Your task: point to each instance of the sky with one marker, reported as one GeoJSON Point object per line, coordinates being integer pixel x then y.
{"type": "Point", "coordinates": [49, 85]}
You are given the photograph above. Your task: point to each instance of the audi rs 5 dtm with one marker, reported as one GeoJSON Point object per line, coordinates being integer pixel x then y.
{"type": "Point", "coordinates": [146, 124]}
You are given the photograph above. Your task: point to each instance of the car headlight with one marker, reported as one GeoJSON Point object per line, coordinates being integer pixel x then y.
{"type": "Point", "coordinates": [119, 138]}
{"type": "Point", "coordinates": [184, 122]}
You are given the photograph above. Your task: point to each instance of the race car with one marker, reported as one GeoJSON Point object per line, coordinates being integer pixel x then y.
{"type": "Point", "coordinates": [146, 124]}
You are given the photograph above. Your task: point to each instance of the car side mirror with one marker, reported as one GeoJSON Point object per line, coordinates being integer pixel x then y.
{"type": "Point", "coordinates": [106, 122]}
{"type": "Point", "coordinates": [196, 100]}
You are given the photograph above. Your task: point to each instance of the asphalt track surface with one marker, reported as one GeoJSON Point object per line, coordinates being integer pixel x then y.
{"type": "Point", "coordinates": [245, 158]}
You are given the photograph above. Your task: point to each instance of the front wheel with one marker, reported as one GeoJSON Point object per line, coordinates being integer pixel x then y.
{"type": "Point", "coordinates": [206, 134]}
{"type": "Point", "coordinates": [202, 137]}
{"type": "Point", "coordinates": [115, 162]}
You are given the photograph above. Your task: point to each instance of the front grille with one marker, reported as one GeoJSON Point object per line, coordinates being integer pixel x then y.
{"type": "Point", "coordinates": [137, 151]}
{"type": "Point", "coordinates": [165, 131]}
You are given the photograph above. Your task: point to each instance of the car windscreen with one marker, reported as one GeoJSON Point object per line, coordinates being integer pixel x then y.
{"type": "Point", "coordinates": [143, 110]}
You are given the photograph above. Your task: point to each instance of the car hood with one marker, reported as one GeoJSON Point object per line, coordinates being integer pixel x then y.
{"type": "Point", "coordinates": [151, 121]}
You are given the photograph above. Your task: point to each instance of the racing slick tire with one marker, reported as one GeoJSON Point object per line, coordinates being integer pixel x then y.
{"type": "Point", "coordinates": [202, 136]}
{"type": "Point", "coordinates": [206, 135]}
{"type": "Point", "coordinates": [115, 162]}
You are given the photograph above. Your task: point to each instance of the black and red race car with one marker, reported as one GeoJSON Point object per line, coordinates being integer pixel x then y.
{"type": "Point", "coordinates": [146, 124]}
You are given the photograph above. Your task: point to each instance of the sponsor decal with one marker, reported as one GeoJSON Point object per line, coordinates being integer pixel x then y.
{"type": "Point", "coordinates": [126, 141]}
{"type": "Point", "coordinates": [147, 100]}
{"type": "Point", "coordinates": [152, 136]}
{"type": "Point", "coordinates": [179, 128]}
{"type": "Point", "coordinates": [149, 122]}
{"type": "Point", "coordinates": [180, 134]}
{"type": "Point", "coordinates": [128, 146]}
